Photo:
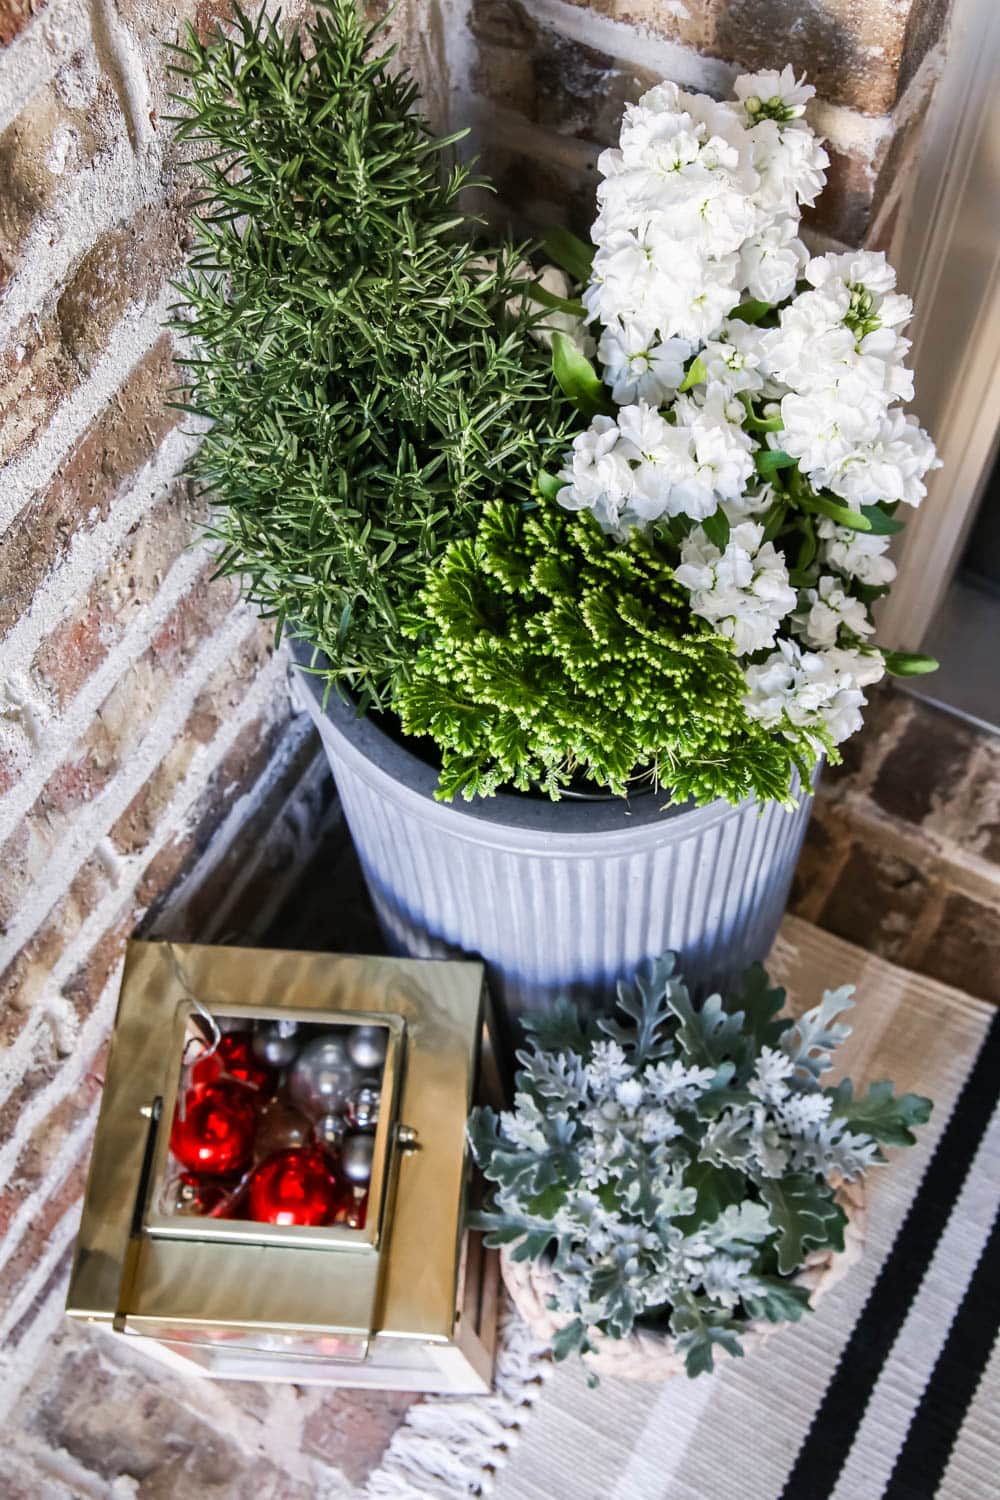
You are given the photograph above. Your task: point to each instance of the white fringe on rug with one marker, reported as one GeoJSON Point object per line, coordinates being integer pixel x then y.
{"type": "Point", "coordinates": [453, 1445]}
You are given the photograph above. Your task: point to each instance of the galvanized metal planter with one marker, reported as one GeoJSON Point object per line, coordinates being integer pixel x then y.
{"type": "Point", "coordinates": [557, 898]}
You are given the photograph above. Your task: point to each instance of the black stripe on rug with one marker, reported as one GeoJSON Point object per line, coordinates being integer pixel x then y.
{"type": "Point", "coordinates": [832, 1431]}
{"type": "Point", "coordinates": [923, 1458]}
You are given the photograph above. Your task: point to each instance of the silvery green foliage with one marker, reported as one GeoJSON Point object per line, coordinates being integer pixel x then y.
{"type": "Point", "coordinates": [673, 1164]}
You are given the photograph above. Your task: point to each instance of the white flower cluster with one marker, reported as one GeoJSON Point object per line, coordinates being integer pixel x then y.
{"type": "Point", "coordinates": [818, 692]}
{"type": "Point", "coordinates": [641, 467]}
{"type": "Point", "coordinates": [839, 353]}
{"type": "Point", "coordinates": [701, 200]}
{"type": "Point", "coordinates": [699, 209]}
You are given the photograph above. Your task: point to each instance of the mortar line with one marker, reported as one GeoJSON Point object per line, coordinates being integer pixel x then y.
{"type": "Point", "coordinates": [95, 819]}
{"type": "Point", "coordinates": [130, 340]}
{"type": "Point", "coordinates": [88, 1035]}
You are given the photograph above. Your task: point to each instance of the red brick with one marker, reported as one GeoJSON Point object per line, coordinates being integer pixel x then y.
{"type": "Point", "coordinates": [219, 698]}
{"type": "Point", "coordinates": [14, 17]}
{"type": "Point", "coordinates": [878, 902]}
{"type": "Point", "coordinates": [35, 375]}
{"type": "Point", "coordinates": [65, 125]}
{"type": "Point", "coordinates": [352, 1429]}
{"type": "Point", "coordinates": [124, 437]}
{"type": "Point", "coordinates": [126, 266]}
{"type": "Point", "coordinates": [962, 951]}
{"type": "Point", "coordinates": [117, 728]}
{"type": "Point", "coordinates": [129, 586]}
{"type": "Point", "coordinates": [852, 54]}
{"type": "Point", "coordinates": [925, 767]}
{"type": "Point", "coordinates": [43, 1145]}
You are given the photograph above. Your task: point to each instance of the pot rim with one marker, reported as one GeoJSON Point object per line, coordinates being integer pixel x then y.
{"type": "Point", "coordinates": [378, 757]}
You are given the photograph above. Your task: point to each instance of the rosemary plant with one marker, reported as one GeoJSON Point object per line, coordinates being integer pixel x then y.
{"type": "Point", "coordinates": [366, 387]}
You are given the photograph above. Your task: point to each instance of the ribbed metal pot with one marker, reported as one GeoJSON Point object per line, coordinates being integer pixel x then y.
{"type": "Point", "coordinates": [558, 898]}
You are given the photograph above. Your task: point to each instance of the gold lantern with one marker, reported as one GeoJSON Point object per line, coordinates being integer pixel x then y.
{"type": "Point", "coordinates": [398, 1295]}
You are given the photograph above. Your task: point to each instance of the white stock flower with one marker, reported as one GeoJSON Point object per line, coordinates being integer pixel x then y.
{"type": "Point", "coordinates": [638, 366]}
{"type": "Point", "coordinates": [780, 96]}
{"type": "Point", "coordinates": [791, 165]}
{"type": "Point", "coordinates": [598, 477]}
{"type": "Point", "coordinates": [733, 359]}
{"type": "Point", "coordinates": [856, 554]}
{"type": "Point", "coordinates": [810, 690]}
{"type": "Point", "coordinates": [772, 261]}
{"type": "Point", "coordinates": [743, 591]}
{"type": "Point", "coordinates": [825, 611]}
{"type": "Point", "coordinates": [891, 465]}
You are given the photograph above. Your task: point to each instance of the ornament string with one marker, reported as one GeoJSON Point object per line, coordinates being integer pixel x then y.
{"type": "Point", "coordinates": [208, 1044]}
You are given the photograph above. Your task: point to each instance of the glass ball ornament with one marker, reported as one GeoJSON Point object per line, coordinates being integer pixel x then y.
{"type": "Point", "coordinates": [361, 1107]}
{"type": "Point", "coordinates": [191, 1194]}
{"type": "Point", "coordinates": [356, 1159]}
{"type": "Point", "coordinates": [294, 1187]}
{"type": "Point", "coordinates": [366, 1047]}
{"type": "Point", "coordinates": [280, 1127]}
{"type": "Point", "coordinates": [233, 1058]}
{"type": "Point", "coordinates": [276, 1043]}
{"type": "Point", "coordinates": [330, 1131]}
{"type": "Point", "coordinates": [321, 1077]}
{"type": "Point", "coordinates": [214, 1132]}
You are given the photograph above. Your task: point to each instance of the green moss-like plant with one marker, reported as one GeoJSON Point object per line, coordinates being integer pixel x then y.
{"type": "Point", "coordinates": [366, 390]}
{"type": "Point", "coordinates": [550, 651]}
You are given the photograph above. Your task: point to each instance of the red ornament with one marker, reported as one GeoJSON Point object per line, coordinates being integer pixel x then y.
{"type": "Point", "coordinates": [233, 1058]}
{"type": "Point", "coordinates": [215, 1135]}
{"type": "Point", "coordinates": [294, 1187]}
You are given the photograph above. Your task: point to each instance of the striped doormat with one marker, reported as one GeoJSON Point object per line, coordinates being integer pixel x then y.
{"type": "Point", "coordinates": [891, 1389]}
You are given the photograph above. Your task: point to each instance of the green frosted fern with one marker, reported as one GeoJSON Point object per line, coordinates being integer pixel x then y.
{"type": "Point", "coordinates": [550, 652]}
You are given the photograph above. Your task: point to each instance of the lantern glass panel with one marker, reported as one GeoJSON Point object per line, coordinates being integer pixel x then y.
{"type": "Point", "coordinates": [276, 1124]}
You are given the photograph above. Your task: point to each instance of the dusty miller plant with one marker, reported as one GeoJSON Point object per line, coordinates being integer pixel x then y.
{"type": "Point", "coordinates": [674, 1166]}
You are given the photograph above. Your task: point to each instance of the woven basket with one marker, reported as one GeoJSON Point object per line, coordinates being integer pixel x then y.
{"type": "Point", "coordinates": [647, 1355]}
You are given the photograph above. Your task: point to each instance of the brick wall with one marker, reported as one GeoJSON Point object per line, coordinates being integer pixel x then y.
{"type": "Point", "coordinates": [144, 716]}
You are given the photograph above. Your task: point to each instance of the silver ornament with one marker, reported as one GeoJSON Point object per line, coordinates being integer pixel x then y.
{"type": "Point", "coordinates": [321, 1077]}
{"type": "Point", "coordinates": [356, 1158]}
{"type": "Point", "coordinates": [330, 1131]}
{"type": "Point", "coordinates": [361, 1106]}
{"type": "Point", "coordinates": [367, 1046]}
{"type": "Point", "coordinates": [276, 1043]}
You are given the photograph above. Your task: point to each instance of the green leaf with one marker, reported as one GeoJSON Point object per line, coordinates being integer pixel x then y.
{"type": "Point", "coordinates": [777, 1301]}
{"type": "Point", "coordinates": [697, 374]}
{"type": "Point", "coordinates": [880, 1113]}
{"type": "Point", "coordinates": [535, 292]}
{"type": "Point", "coordinates": [908, 663]}
{"type": "Point", "coordinates": [577, 377]}
{"type": "Point", "coordinates": [647, 1003]}
{"type": "Point", "coordinates": [805, 1214]}
{"type": "Point", "coordinates": [570, 1339]}
{"type": "Point", "coordinates": [882, 524]}
{"type": "Point", "coordinates": [760, 1005]}
{"type": "Point", "coordinates": [709, 1035]}
{"type": "Point", "coordinates": [822, 505]}
{"type": "Point", "coordinates": [549, 485]}
{"type": "Point", "coordinates": [717, 529]}
{"type": "Point", "coordinates": [751, 311]}
{"type": "Point", "coordinates": [563, 247]}
{"type": "Point", "coordinates": [717, 1187]}
{"type": "Point", "coordinates": [768, 461]}
{"type": "Point", "coordinates": [811, 1038]}
{"type": "Point", "coordinates": [698, 1332]}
